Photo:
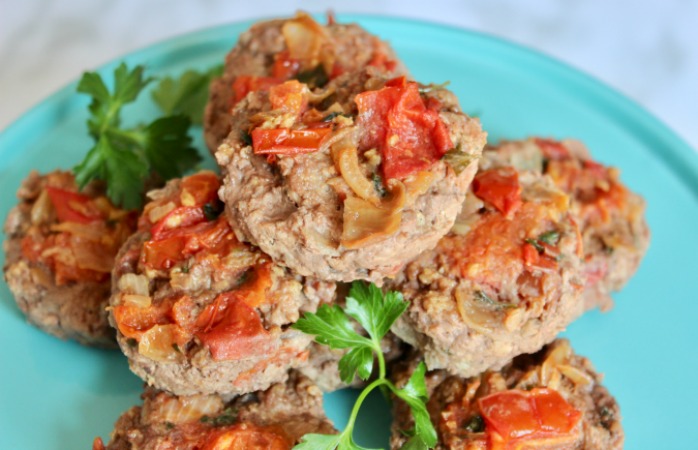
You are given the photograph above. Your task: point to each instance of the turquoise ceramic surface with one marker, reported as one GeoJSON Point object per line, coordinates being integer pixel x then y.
{"type": "Point", "coordinates": [59, 395]}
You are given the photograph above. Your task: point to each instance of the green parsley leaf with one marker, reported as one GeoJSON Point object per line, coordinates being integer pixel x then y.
{"type": "Point", "coordinates": [331, 326]}
{"type": "Point", "coordinates": [315, 77]}
{"type": "Point", "coordinates": [187, 94]}
{"type": "Point", "coordinates": [550, 237]}
{"type": "Point", "coordinates": [374, 311]}
{"type": "Point", "coordinates": [359, 361]}
{"type": "Point", "coordinates": [535, 243]}
{"type": "Point", "coordinates": [319, 442]}
{"type": "Point", "coordinates": [414, 393]}
{"type": "Point", "coordinates": [125, 157]}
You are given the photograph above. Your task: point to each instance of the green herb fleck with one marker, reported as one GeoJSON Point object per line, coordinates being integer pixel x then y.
{"type": "Point", "coordinates": [332, 115]}
{"type": "Point", "coordinates": [315, 77]}
{"type": "Point", "coordinates": [375, 312]}
{"type": "Point", "coordinates": [212, 210]}
{"type": "Point", "coordinates": [125, 157]}
{"type": "Point", "coordinates": [535, 243]}
{"type": "Point", "coordinates": [227, 417]}
{"type": "Point", "coordinates": [475, 425]}
{"type": "Point", "coordinates": [169, 425]}
{"type": "Point", "coordinates": [550, 237]}
{"type": "Point", "coordinates": [486, 299]}
{"type": "Point", "coordinates": [176, 348]}
{"type": "Point", "coordinates": [132, 342]}
{"type": "Point", "coordinates": [378, 185]}
{"type": "Point", "coordinates": [187, 94]}
{"type": "Point", "coordinates": [457, 159]}
{"type": "Point", "coordinates": [246, 137]}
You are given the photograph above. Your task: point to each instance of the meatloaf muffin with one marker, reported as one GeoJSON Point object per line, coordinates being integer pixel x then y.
{"type": "Point", "coordinates": [274, 419]}
{"type": "Point", "coordinates": [504, 282]}
{"type": "Point", "coordinates": [275, 51]}
{"type": "Point", "coordinates": [610, 216]}
{"type": "Point", "coordinates": [59, 252]}
{"type": "Point", "coordinates": [552, 399]}
{"type": "Point", "coordinates": [352, 181]}
{"type": "Point", "coordinates": [196, 310]}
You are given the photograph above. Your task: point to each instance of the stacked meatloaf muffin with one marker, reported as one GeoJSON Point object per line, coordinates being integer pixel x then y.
{"type": "Point", "coordinates": [337, 166]}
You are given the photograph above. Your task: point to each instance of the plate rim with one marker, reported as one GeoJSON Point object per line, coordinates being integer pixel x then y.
{"type": "Point", "coordinates": [666, 144]}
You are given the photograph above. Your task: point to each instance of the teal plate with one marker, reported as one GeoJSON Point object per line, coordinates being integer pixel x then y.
{"type": "Point", "coordinates": [59, 395]}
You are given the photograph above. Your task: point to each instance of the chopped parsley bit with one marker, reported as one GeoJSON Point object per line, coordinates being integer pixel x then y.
{"type": "Point", "coordinates": [185, 268]}
{"type": "Point", "coordinates": [550, 237]}
{"type": "Point", "coordinates": [332, 115]}
{"type": "Point", "coordinates": [475, 425]}
{"type": "Point", "coordinates": [378, 185]}
{"type": "Point", "coordinates": [227, 417]}
{"type": "Point", "coordinates": [243, 278]}
{"type": "Point", "coordinates": [375, 312]}
{"type": "Point", "coordinates": [246, 137]}
{"type": "Point", "coordinates": [316, 77]}
{"type": "Point", "coordinates": [169, 425]}
{"type": "Point", "coordinates": [132, 342]}
{"type": "Point", "coordinates": [125, 157]}
{"type": "Point", "coordinates": [535, 243]}
{"type": "Point", "coordinates": [457, 159]}
{"type": "Point", "coordinates": [176, 348]}
{"type": "Point", "coordinates": [213, 210]}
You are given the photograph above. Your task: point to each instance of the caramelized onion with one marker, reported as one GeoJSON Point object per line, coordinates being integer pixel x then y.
{"type": "Point", "coordinates": [365, 224]}
{"type": "Point", "coordinates": [475, 314]}
{"type": "Point", "coordinates": [305, 39]}
{"type": "Point", "coordinates": [348, 164]}
{"type": "Point", "coordinates": [42, 209]}
{"type": "Point", "coordinates": [183, 409]}
{"type": "Point", "coordinates": [131, 283]}
{"type": "Point", "coordinates": [162, 343]}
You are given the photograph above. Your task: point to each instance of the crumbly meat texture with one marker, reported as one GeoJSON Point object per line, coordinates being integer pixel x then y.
{"type": "Point", "coordinates": [69, 305]}
{"type": "Point", "coordinates": [275, 419]}
{"type": "Point", "coordinates": [254, 55]}
{"type": "Point", "coordinates": [296, 207]}
{"type": "Point", "coordinates": [216, 320]}
{"type": "Point", "coordinates": [611, 217]}
{"type": "Point", "coordinates": [456, 415]}
{"type": "Point", "coordinates": [493, 288]}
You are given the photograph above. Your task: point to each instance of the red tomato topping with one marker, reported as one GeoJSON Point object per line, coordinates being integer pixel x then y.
{"type": "Point", "coordinates": [551, 149]}
{"type": "Point", "coordinates": [290, 96]}
{"type": "Point", "coordinates": [231, 329]}
{"type": "Point", "coordinates": [516, 417]}
{"type": "Point", "coordinates": [133, 320]}
{"type": "Point", "coordinates": [202, 187]}
{"type": "Point", "coordinates": [73, 207]}
{"type": "Point", "coordinates": [181, 217]}
{"type": "Point", "coordinates": [284, 66]}
{"type": "Point", "coordinates": [244, 84]}
{"type": "Point", "coordinates": [282, 141]}
{"type": "Point", "coordinates": [247, 436]}
{"type": "Point", "coordinates": [409, 135]}
{"type": "Point", "coordinates": [500, 187]}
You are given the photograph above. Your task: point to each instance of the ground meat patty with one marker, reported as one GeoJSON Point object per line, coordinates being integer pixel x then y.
{"type": "Point", "coordinates": [349, 182]}
{"type": "Point", "coordinates": [59, 251]}
{"type": "Point", "coordinates": [610, 216]}
{"type": "Point", "coordinates": [274, 419]}
{"type": "Point", "coordinates": [504, 282]}
{"type": "Point", "coordinates": [572, 409]}
{"type": "Point", "coordinates": [274, 51]}
{"type": "Point", "coordinates": [196, 310]}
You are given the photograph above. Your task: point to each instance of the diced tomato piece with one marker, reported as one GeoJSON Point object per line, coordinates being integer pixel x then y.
{"type": "Point", "coordinates": [551, 149]}
{"type": "Point", "coordinates": [72, 206]}
{"type": "Point", "coordinates": [381, 60]}
{"type": "Point", "coordinates": [247, 436]}
{"type": "Point", "coordinates": [254, 290]}
{"type": "Point", "coordinates": [244, 84]}
{"type": "Point", "coordinates": [284, 66]}
{"type": "Point", "coordinates": [500, 187]}
{"type": "Point", "coordinates": [202, 187]}
{"type": "Point", "coordinates": [517, 416]}
{"type": "Point", "coordinates": [290, 96]}
{"type": "Point", "coordinates": [282, 141]}
{"type": "Point", "coordinates": [133, 320]}
{"type": "Point", "coordinates": [231, 329]}
{"type": "Point", "coordinates": [409, 135]}
{"type": "Point", "coordinates": [178, 218]}
{"type": "Point", "coordinates": [164, 253]}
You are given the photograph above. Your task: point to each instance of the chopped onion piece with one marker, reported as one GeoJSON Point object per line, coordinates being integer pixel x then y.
{"type": "Point", "coordinates": [131, 283]}
{"type": "Point", "coordinates": [365, 224]}
{"type": "Point", "coordinates": [183, 409]}
{"type": "Point", "coordinates": [162, 343]}
{"type": "Point", "coordinates": [348, 164]}
{"type": "Point", "coordinates": [142, 301]}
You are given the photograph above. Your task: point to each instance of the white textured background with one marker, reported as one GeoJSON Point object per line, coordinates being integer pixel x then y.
{"type": "Point", "coordinates": [647, 49]}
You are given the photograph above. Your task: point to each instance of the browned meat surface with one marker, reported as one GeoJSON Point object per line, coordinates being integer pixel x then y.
{"type": "Point", "coordinates": [274, 51]}
{"type": "Point", "coordinates": [196, 310]}
{"type": "Point", "coordinates": [274, 419]}
{"type": "Point", "coordinates": [59, 252]}
{"type": "Point", "coordinates": [352, 207]}
{"type": "Point", "coordinates": [472, 413]}
{"type": "Point", "coordinates": [504, 282]}
{"type": "Point", "coordinates": [610, 216]}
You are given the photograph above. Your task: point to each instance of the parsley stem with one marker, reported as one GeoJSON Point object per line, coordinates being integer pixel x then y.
{"type": "Point", "coordinates": [357, 405]}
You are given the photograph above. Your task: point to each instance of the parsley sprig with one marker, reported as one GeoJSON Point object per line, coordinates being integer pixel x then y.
{"type": "Point", "coordinates": [126, 157]}
{"type": "Point", "coordinates": [376, 313]}
{"type": "Point", "coordinates": [187, 94]}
